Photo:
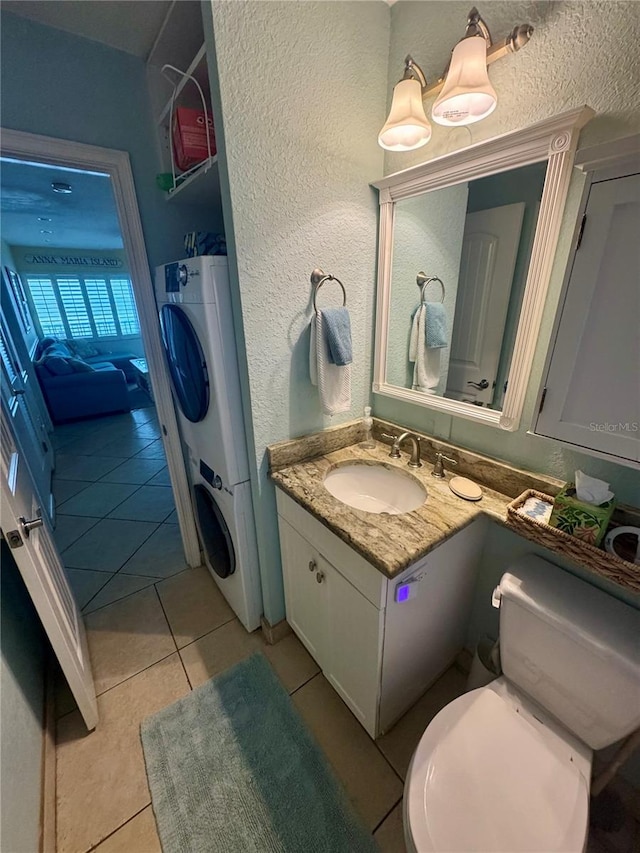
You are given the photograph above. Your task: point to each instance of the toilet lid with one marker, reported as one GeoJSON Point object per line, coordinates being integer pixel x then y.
{"type": "Point", "coordinates": [483, 778]}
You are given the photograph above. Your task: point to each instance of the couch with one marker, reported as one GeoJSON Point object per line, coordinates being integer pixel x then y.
{"type": "Point", "coordinates": [76, 387]}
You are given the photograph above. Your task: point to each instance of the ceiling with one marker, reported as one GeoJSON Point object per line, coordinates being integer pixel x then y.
{"type": "Point", "coordinates": [85, 219]}
{"type": "Point", "coordinates": [128, 25]}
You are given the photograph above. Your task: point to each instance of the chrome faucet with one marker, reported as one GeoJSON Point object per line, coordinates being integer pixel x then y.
{"type": "Point", "coordinates": [438, 468]}
{"type": "Point", "coordinates": [414, 461]}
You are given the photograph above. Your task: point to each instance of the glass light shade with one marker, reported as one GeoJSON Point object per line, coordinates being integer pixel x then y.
{"type": "Point", "coordinates": [467, 95]}
{"type": "Point", "coordinates": [407, 126]}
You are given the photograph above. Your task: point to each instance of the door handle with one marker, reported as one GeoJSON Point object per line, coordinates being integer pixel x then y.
{"type": "Point", "coordinates": [480, 385]}
{"type": "Point", "coordinates": [18, 392]}
{"type": "Point", "coordinates": [32, 524]}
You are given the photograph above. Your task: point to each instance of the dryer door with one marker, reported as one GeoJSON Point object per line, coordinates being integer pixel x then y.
{"type": "Point", "coordinates": [214, 533]}
{"type": "Point", "coordinates": [187, 363]}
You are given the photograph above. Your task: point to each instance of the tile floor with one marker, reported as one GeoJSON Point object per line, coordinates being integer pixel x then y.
{"type": "Point", "coordinates": [156, 630]}
{"type": "Point", "coordinates": [116, 527]}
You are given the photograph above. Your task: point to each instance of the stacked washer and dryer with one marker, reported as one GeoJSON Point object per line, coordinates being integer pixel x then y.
{"type": "Point", "coordinates": [194, 303]}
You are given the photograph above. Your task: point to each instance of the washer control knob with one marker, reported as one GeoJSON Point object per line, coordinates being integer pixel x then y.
{"type": "Point", "coordinates": [217, 482]}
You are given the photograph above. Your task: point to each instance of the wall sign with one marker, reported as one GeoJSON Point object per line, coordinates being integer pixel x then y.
{"type": "Point", "coordinates": [73, 261]}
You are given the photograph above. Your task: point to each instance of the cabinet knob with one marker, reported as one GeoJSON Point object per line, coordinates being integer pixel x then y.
{"type": "Point", "coordinates": [320, 577]}
{"type": "Point", "coordinates": [312, 565]}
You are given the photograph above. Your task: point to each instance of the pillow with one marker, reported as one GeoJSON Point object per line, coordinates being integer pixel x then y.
{"type": "Point", "coordinates": [77, 365]}
{"type": "Point", "coordinates": [59, 348]}
{"type": "Point", "coordinates": [83, 349]}
{"type": "Point", "coordinates": [57, 366]}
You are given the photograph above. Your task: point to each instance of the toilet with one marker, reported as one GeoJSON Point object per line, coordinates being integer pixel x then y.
{"type": "Point", "coordinates": [507, 767]}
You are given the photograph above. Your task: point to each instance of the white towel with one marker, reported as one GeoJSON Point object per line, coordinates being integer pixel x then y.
{"type": "Point", "coordinates": [426, 360]}
{"type": "Point", "coordinates": [333, 381]}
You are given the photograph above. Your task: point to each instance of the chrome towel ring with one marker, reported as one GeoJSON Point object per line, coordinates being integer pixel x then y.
{"type": "Point", "coordinates": [423, 280]}
{"type": "Point", "coordinates": [318, 278]}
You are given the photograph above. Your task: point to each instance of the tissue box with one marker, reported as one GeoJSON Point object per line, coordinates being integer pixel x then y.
{"type": "Point", "coordinates": [190, 137]}
{"type": "Point", "coordinates": [580, 519]}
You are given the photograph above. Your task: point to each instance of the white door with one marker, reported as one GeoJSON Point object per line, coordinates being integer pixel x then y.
{"type": "Point", "coordinates": [28, 534]}
{"type": "Point", "coordinates": [28, 424]}
{"type": "Point", "coordinates": [593, 382]}
{"type": "Point", "coordinates": [489, 252]}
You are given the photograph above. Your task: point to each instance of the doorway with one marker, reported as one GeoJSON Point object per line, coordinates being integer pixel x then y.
{"type": "Point", "coordinates": [130, 440]}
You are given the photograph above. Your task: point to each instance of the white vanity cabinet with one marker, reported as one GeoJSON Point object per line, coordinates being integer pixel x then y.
{"type": "Point", "coordinates": [591, 396]}
{"type": "Point", "coordinates": [379, 654]}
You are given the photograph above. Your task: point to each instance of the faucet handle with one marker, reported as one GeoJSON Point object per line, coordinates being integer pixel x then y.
{"type": "Point", "coordinates": [395, 450]}
{"type": "Point", "coordinates": [438, 468]}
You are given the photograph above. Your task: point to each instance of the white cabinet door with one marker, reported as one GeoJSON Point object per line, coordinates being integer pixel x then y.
{"type": "Point", "coordinates": [354, 640]}
{"type": "Point", "coordinates": [592, 396]}
{"type": "Point", "coordinates": [305, 596]}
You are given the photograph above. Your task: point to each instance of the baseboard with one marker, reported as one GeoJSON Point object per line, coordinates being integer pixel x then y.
{"type": "Point", "coordinates": [48, 790]}
{"type": "Point", "coordinates": [274, 633]}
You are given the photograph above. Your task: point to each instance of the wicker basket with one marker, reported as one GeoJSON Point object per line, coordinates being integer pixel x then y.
{"type": "Point", "coordinates": [608, 565]}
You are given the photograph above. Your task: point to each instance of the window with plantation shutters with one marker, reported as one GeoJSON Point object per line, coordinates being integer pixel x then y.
{"type": "Point", "coordinates": [125, 306]}
{"type": "Point", "coordinates": [45, 304]}
{"type": "Point", "coordinates": [83, 307]}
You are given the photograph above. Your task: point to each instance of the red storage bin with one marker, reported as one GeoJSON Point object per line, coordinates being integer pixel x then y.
{"type": "Point", "coordinates": [190, 137]}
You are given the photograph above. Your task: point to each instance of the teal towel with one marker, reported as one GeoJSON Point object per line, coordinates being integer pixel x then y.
{"type": "Point", "coordinates": [436, 326]}
{"type": "Point", "coordinates": [337, 329]}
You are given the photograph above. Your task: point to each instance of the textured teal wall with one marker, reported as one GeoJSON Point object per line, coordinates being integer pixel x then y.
{"type": "Point", "coordinates": [567, 63]}
{"type": "Point", "coordinates": [57, 84]}
{"type": "Point", "coordinates": [21, 712]}
{"type": "Point", "coordinates": [301, 113]}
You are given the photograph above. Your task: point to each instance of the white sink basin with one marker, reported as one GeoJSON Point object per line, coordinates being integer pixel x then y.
{"type": "Point", "coordinates": [375, 488]}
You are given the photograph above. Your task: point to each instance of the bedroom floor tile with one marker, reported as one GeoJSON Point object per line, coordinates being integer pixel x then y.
{"type": "Point", "coordinates": [72, 467]}
{"type": "Point", "coordinates": [161, 556]}
{"type": "Point", "coordinates": [85, 584]}
{"type": "Point", "coordinates": [108, 545]}
{"type": "Point", "coordinates": [120, 586]}
{"type": "Point", "coordinates": [149, 503]}
{"type": "Point", "coordinates": [98, 499]}
{"type": "Point", "coordinates": [69, 528]}
{"type": "Point", "coordinates": [134, 471]}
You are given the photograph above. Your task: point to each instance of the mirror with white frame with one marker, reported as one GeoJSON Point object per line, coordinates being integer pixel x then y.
{"type": "Point", "coordinates": [466, 247]}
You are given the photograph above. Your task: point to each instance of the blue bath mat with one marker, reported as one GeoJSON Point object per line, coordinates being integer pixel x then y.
{"type": "Point", "coordinates": [232, 768]}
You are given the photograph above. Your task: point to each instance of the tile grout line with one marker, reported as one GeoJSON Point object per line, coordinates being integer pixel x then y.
{"type": "Point", "coordinates": [186, 674]}
{"type": "Point", "coordinates": [206, 634]}
{"type": "Point", "coordinates": [113, 832]}
{"type": "Point", "coordinates": [377, 827]}
{"type": "Point", "coordinates": [304, 684]}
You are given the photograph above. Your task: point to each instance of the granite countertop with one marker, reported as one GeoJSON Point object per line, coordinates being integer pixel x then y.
{"type": "Point", "coordinates": [391, 543]}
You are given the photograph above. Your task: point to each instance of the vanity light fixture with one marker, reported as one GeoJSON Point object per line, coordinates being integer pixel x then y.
{"type": "Point", "coordinates": [407, 126]}
{"type": "Point", "coordinates": [465, 94]}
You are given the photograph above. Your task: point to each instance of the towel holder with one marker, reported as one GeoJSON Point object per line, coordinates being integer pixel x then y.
{"type": "Point", "coordinates": [422, 280]}
{"type": "Point", "coordinates": [318, 278]}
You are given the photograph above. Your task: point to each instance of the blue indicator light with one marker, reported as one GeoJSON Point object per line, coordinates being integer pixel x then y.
{"type": "Point", "coordinates": [402, 593]}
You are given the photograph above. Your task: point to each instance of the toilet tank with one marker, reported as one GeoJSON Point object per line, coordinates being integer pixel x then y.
{"type": "Point", "coordinates": [572, 648]}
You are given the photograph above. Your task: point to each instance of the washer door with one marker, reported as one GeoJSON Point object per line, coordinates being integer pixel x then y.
{"type": "Point", "coordinates": [186, 361]}
{"type": "Point", "coordinates": [214, 533]}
